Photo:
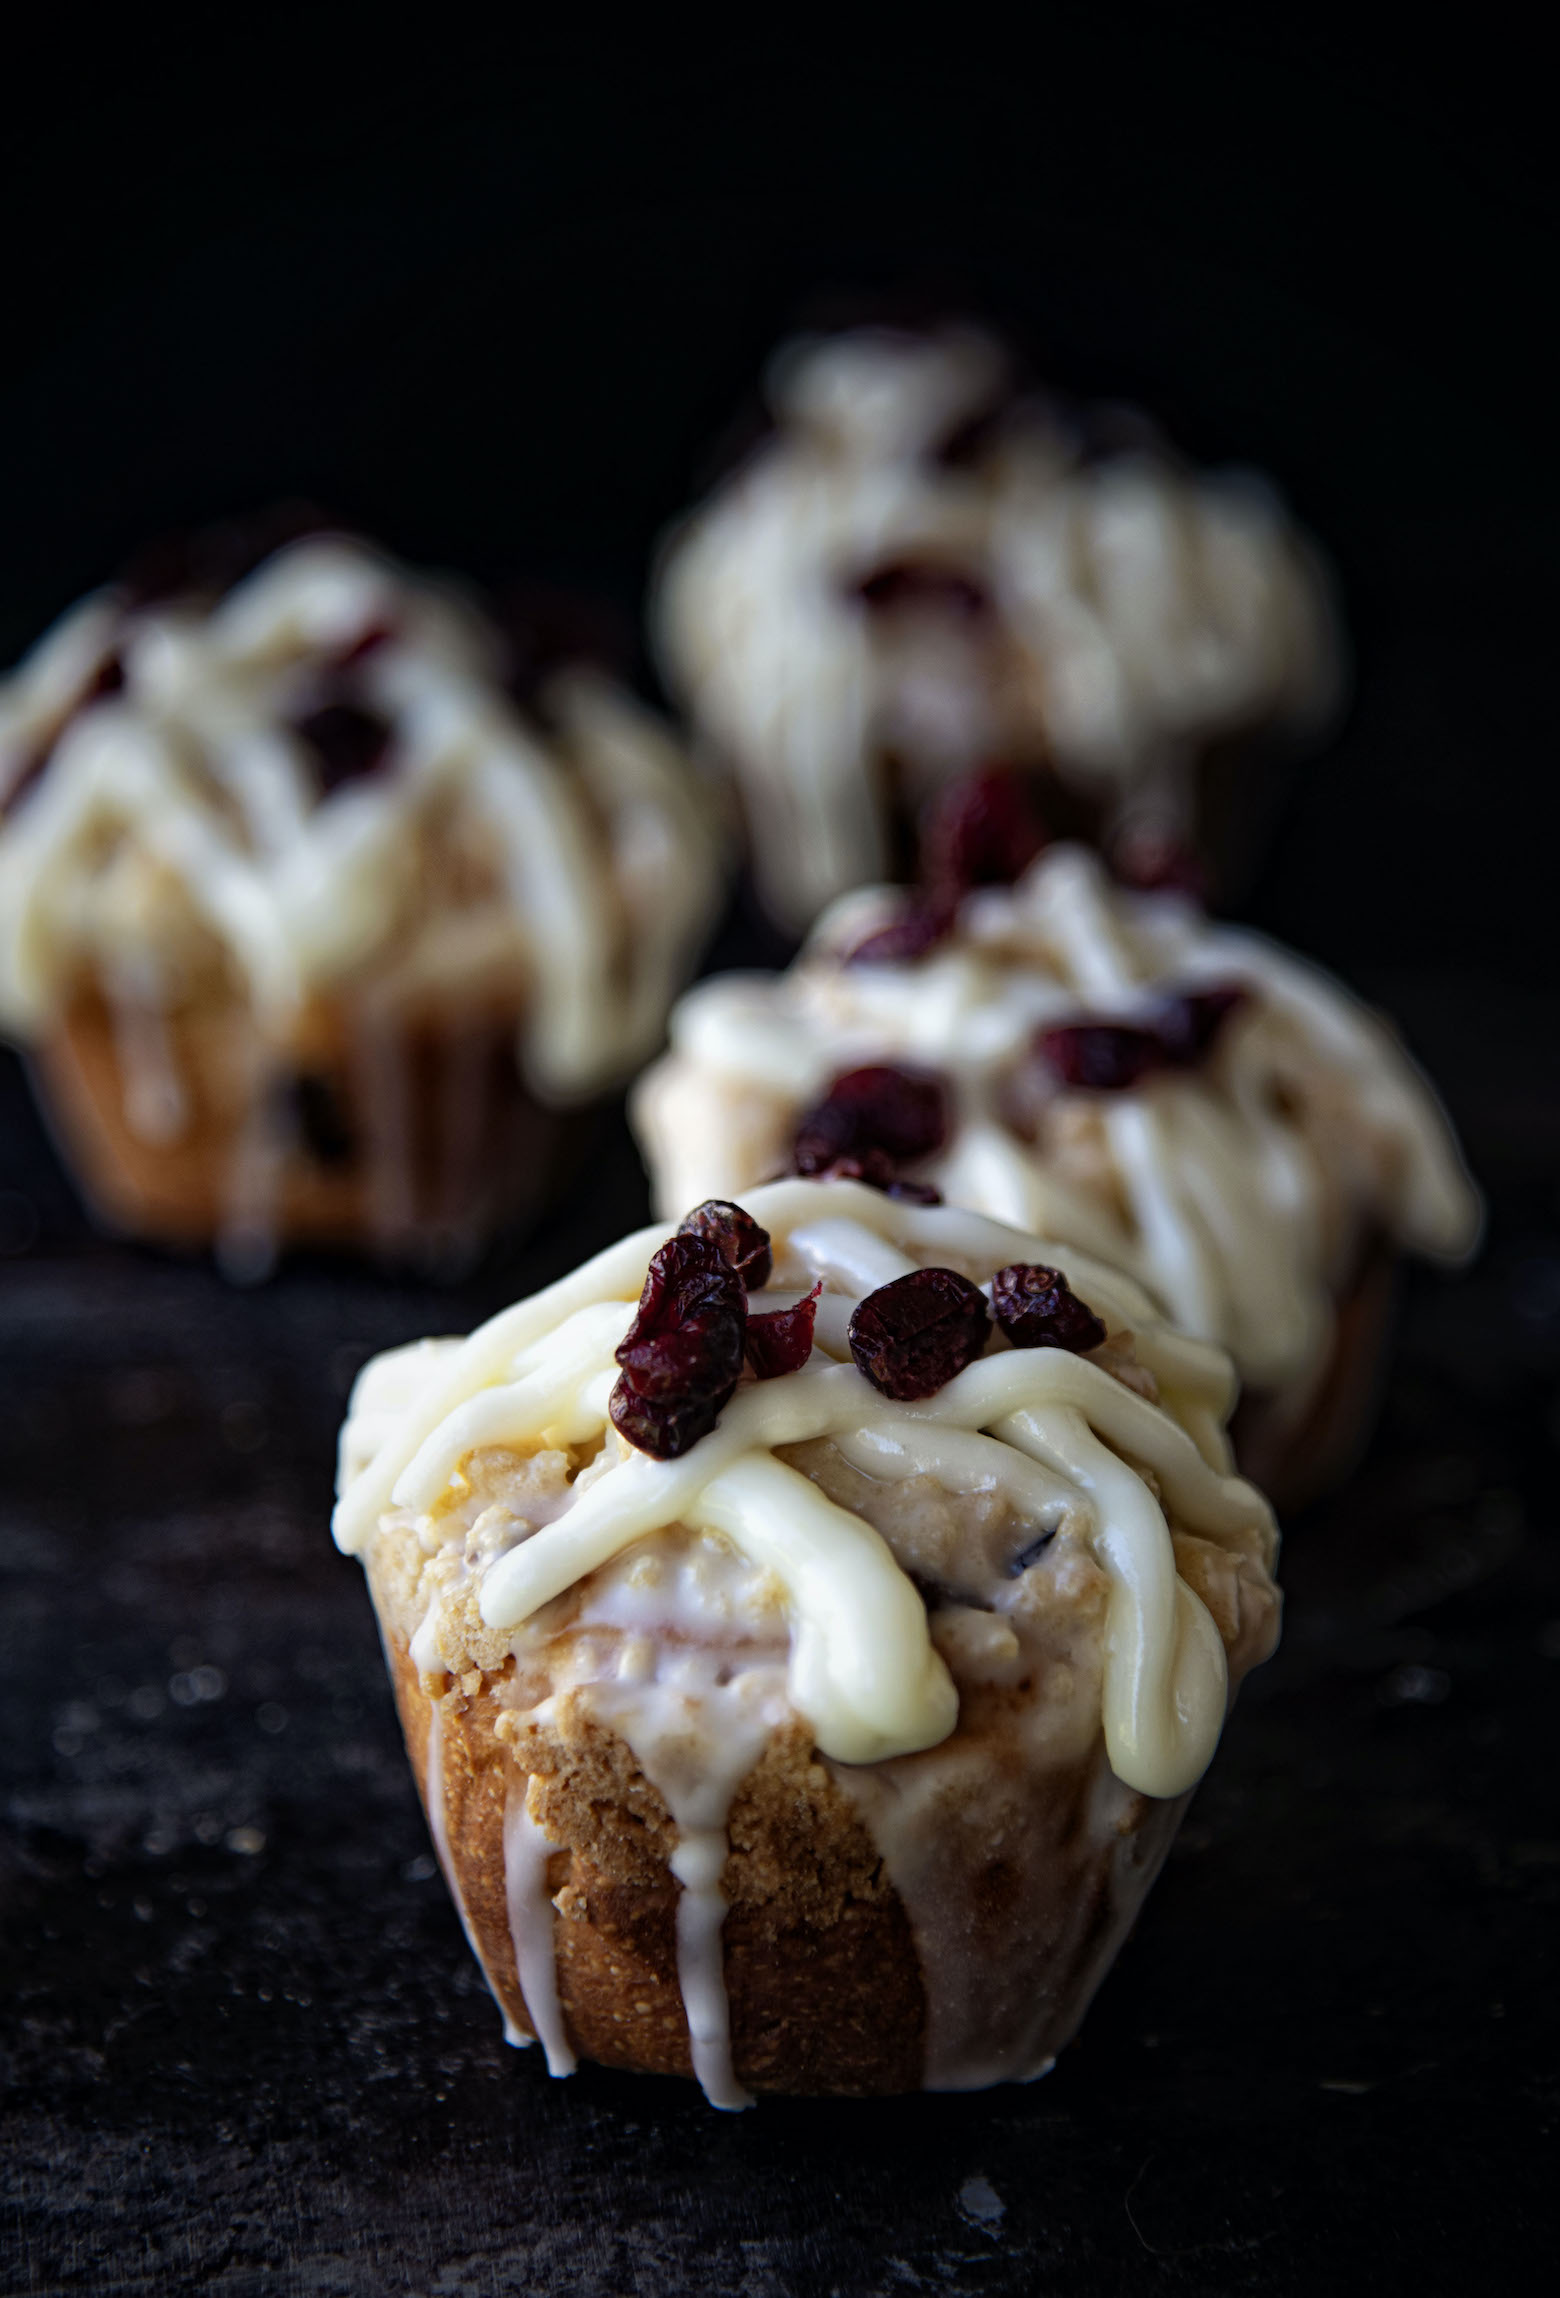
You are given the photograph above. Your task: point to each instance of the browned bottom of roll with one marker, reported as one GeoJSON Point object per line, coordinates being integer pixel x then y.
{"type": "Point", "coordinates": [1295, 1458]}
{"type": "Point", "coordinates": [823, 1975]}
{"type": "Point", "coordinates": [407, 1135]}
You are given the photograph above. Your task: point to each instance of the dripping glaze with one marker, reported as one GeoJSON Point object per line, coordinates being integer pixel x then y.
{"type": "Point", "coordinates": [830, 1627]}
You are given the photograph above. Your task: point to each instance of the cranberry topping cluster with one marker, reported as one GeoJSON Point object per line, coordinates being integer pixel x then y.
{"type": "Point", "coordinates": [682, 1355]}
{"type": "Point", "coordinates": [870, 1122]}
{"type": "Point", "coordinates": [1113, 1056]}
{"type": "Point", "coordinates": [983, 830]}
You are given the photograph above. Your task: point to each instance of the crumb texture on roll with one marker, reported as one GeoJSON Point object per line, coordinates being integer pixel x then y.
{"type": "Point", "coordinates": [239, 827]}
{"type": "Point", "coordinates": [897, 1675]}
{"type": "Point", "coordinates": [1184, 1099]}
{"type": "Point", "coordinates": [855, 609]}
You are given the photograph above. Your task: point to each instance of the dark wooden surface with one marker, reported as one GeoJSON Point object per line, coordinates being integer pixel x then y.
{"type": "Point", "coordinates": [246, 2050]}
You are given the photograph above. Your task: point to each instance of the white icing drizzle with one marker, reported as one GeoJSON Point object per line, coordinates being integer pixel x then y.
{"type": "Point", "coordinates": [1139, 609]}
{"type": "Point", "coordinates": [177, 827]}
{"type": "Point", "coordinates": [1239, 1192]}
{"type": "Point", "coordinates": [526, 1852]}
{"type": "Point", "coordinates": [862, 1669]}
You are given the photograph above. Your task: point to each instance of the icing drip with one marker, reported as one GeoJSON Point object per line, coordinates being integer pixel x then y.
{"type": "Point", "coordinates": [247, 1239]}
{"type": "Point", "coordinates": [1240, 1193]}
{"type": "Point", "coordinates": [696, 1740]}
{"type": "Point", "coordinates": [526, 1851]}
{"type": "Point", "coordinates": [438, 1828]}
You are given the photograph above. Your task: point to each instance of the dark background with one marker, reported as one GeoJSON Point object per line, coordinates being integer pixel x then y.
{"type": "Point", "coordinates": [500, 302]}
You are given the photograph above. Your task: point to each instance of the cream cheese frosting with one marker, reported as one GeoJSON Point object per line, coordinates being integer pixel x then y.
{"type": "Point", "coordinates": [699, 1602]}
{"type": "Point", "coordinates": [1240, 1191]}
{"type": "Point", "coordinates": [1117, 614]}
{"type": "Point", "coordinates": [177, 832]}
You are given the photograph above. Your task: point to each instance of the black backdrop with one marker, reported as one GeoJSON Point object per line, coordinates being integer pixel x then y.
{"type": "Point", "coordinates": [498, 303]}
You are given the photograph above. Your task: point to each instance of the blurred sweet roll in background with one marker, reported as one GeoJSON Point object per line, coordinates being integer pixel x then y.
{"type": "Point", "coordinates": [917, 572]}
{"type": "Point", "coordinates": [310, 928]}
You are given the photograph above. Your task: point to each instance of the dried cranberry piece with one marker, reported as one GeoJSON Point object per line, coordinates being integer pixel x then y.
{"type": "Point", "coordinates": [1105, 1056]}
{"type": "Point", "coordinates": [347, 741]}
{"type": "Point", "coordinates": [683, 1352]}
{"type": "Point", "coordinates": [913, 1335]}
{"type": "Point", "coordinates": [874, 1168]}
{"type": "Point", "coordinates": [663, 1428]}
{"type": "Point", "coordinates": [1187, 1025]}
{"type": "Point", "coordinates": [367, 642]}
{"type": "Point", "coordinates": [984, 830]}
{"type": "Point", "coordinates": [781, 1339]}
{"type": "Point", "coordinates": [920, 927]}
{"type": "Point", "coordinates": [1037, 1308]}
{"type": "Point", "coordinates": [902, 1112]}
{"type": "Point", "coordinates": [924, 586]}
{"type": "Point", "coordinates": [736, 1237]}
{"type": "Point", "coordinates": [1153, 862]}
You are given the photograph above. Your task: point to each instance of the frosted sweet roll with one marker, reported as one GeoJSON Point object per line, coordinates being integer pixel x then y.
{"type": "Point", "coordinates": [808, 1628]}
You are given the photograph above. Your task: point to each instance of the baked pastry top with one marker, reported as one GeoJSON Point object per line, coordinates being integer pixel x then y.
{"type": "Point", "coordinates": [856, 608]}
{"type": "Point", "coordinates": [313, 782]}
{"type": "Point", "coordinates": [1184, 1099]}
{"type": "Point", "coordinates": [951, 1502]}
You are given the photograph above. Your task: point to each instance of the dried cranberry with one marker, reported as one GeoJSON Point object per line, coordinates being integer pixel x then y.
{"type": "Point", "coordinates": [347, 741]}
{"type": "Point", "coordinates": [902, 1112]}
{"type": "Point", "coordinates": [982, 831]}
{"type": "Point", "coordinates": [683, 1352]}
{"type": "Point", "coordinates": [1187, 1025]}
{"type": "Point", "coordinates": [913, 1335]}
{"type": "Point", "coordinates": [367, 642]}
{"type": "Point", "coordinates": [781, 1339]}
{"type": "Point", "coordinates": [919, 928]}
{"type": "Point", "coordinates": [1105, 1056]}
{"type": "Point", "coordinates": [924, 586]}
{"type": "Point", "coordinates": [874, 1169]}
{"type": "Point", "coordinates": [736, 1237]}
{"type": "Point", "coordinates": [1037, 1308]}
{"type": "Point", "coordinates": [1153, 862]}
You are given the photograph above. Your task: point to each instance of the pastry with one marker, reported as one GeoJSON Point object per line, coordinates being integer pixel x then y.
{"type": "Point", "coordinates": [914, 575]}
{"type": "Point", "coordinates": [806, 1661]}
{"type": "Point", "coordinates": [1186, 1100]}
{"type": "Point", "coordinates": [309, 928]}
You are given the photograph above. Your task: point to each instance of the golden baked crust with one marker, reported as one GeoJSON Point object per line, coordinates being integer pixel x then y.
{"type": "Point", "coordinates": [180, 1191]}
{"type": "Point", "coordinates": [821, 1973]}
{"type": "Point", "coordinates": [823, 1979]}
